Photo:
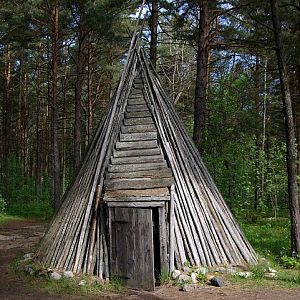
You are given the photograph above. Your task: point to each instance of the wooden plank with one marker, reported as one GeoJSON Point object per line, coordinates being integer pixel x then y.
{"type": "Point", "coordinates": [136, 167]}
{"type": "Point", "coordinates": [138, 121]}
{"type": "Point", "coordinates": [139, 152]}
{"type": "Point", "coordinates": [160, 192]}
{"type": "Point", "coordinates": [137, 145]}
{"type": "Point", "coordinates": [137, 114]}
{"type": "Point", "coordinates": [136, 101]}
{"type": "Point", "coordinates": [143, 136]}
{"type": "Point", "coordinates": [137, 204]}
{"type": "Point", "coordinates": [136, 91]}
{"type": "Point", "coordinates": [137, 107]}
{"type": "Point", "coordinates": [138, 128]}
{"type": "Point", "coordinates": [137, 183]}
{"type": "Point", "coordinates": [135, 160]}
{"type": "Point", "coordinates": [165, 172]}
{"type": "Point", "coordinates": [138, 85]}
{"type": "Point", "coordinates": [135, 198]}
{"type": "Point", "coordinates": [163, 239]}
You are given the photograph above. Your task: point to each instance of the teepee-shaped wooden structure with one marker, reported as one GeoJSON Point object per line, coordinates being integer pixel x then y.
{"type": "Point", "coordinates": [143, 200]}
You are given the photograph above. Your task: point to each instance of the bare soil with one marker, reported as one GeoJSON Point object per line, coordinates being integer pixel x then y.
{"type": "Point", "coordinates": [20, 237]}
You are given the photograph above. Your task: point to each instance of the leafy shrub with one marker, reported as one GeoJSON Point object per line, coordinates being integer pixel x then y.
{"type": "Point", "coordinates": [3, 204]}
{"type": "Point", "coordinates": [289, 262]}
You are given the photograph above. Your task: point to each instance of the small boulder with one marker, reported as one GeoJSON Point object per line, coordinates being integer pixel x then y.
{"type": "Point", "coordinates": [55, 276]}
{"type": "Point", "coordinates": [175, 274]}
{"type": "Point", "coordinates": [82, 283]}
{"type": "Point", "coordinates": [187, 287]}
{"type": "Point", "coordinates": [231, 271]}
{"type": "Point", "coordinates": [221, 270]}
{"type": "Point", "coordinates": [202, 270]}
{"type": "Point", "coordinates": [68, 274]}
{"type": "Point", "coordinates": [194, 277]}
{"type": "Point", "coordinates": [270, 270]}
{"type": "Point", "coordinates": [28, 256]}
{"type": "Point", "coordinates": [244, 274]}
{"type": "Point", "coordinates": [271, 275]}
{"type": "Point", "coordinates": [29, 270]}
{"type": "Point", "coordinates": [215, 281]}
{"type": "Point", "coordinates": [183, 278]}
{"type": "Point", "coordinates": [186, 269]}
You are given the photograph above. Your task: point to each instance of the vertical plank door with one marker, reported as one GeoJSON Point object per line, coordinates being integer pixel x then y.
{"type": "Point", "coordinates": [131, 251]}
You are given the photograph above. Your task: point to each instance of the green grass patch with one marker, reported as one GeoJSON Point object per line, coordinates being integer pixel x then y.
{"type": "Point", "coordinates": [6, 218]}
{"type": "Point", "coordinates": [38, 210]}
{"type": "Point", "coordinates": [270, 238]}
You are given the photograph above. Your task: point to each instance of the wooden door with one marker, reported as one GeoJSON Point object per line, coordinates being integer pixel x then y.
{"type": "Point", "coordinates": [131, 246]}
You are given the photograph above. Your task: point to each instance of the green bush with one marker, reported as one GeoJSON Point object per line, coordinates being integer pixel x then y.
{"type": "Point", "coordinates": [289, 262]}
{"type": "Point", "coordinates": [3, 204]}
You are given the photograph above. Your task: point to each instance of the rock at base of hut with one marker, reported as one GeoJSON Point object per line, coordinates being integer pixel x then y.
{"type": "Point", "coordinates": [82, 283]}
{"type": "Point", "coordinates": [183, 278]}
{"type": "Point", "coordinates": [29, 270]}
{"type": "Point", "coordinates": [55, 276]}
{"type": "Point", "coordinates": [175, 274]}
{"type": "Point", "coordinates": [194, 277]}
{"type": "Point", "coordinates": [187, 287]}
{"type": "Point", "coordinates": [271, 275]}
{"type": "Point", "coordinates": [28, 256]}
{"type": "Point", "coordinates": [215, 281]}
{"type": "Point", "coordinates": [202, 270]}
{"type": "Point", "coordinates": [244, 274]}
{"type": "Point", "coordinates": [68, 274]}
{"type": "Point", "coordinates": [270, 270]}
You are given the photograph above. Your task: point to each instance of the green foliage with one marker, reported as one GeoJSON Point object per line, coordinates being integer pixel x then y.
{"type": "Point", "coordinates": [20, 195]}
{"type": "Point", "coordinates": [269, 237]}
{"type": "Point", "coordinates": [289, 262]}
{"type": "Point", "coordinates": [164, 277]}
{"type": "Point", "coordinates": [201, 277]}
{"type": "Point", "coordinates": [3, 204]}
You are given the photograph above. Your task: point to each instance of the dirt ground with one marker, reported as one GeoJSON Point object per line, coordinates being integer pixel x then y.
{"type": "Point", "coordinates": [19, 237]}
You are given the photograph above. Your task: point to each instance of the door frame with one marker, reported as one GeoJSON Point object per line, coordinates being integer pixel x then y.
{"type": "Point", "coordinates": [162, 224]}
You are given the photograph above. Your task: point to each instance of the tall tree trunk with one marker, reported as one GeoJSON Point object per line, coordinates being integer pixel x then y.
{"type": "Point", "coordinates": [153, 30]}
{"type": "Point", "coordinates": [89, 88]}
{"type": "Point", "coordinates": [7, 107]}
{"type": "Point", "coordinates": [201, 77]}
{"type": "Point", "coordinates": [38, 159]}
{"type": "Point", "coordinates": [257, 135]}
{"type": "Point", "coordinates": [78, 93]}
{"type": "Point", "coordinates": [290, 134]}
{"type": "Point", "coordinates": [54, 107]}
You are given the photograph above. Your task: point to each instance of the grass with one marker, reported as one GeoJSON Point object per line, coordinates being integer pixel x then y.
{"type": "Point", "coordinates": [6, 218]}
{"type": "Point", "coordinates": [38, 210]}
{"type": "Point", "coordinates": [270, 238]}
{"type": "Point", "coordinates": [65, 286]}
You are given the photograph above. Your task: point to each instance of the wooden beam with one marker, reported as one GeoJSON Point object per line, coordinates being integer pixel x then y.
{"type": "Point", "coordinates": [137, 145]}
{"type": "Point", "coordinates": [120, 194]}
{"type": "Point", "coordinates": [163, 173]}
{"type": "Point", "coordinates": [136, 167]}
{"type": "Point", "coordinates": [136, 101]}
{"type": "Point", "coordinates": [144, 136]}
{"type": "Point", "coordinates": [134, 160]}
{"type": "Point", "coordinates": [137, 183]}
{"type": "Point", "coordinates": [137, 107]}
{"type": "Point", "coordinates": [138, 128]}
{"type": "Point", "coordinates": [138, 121]}
{"type": "Point", "coordinates": [137, 114]}
{"type": "Point", "coordinates": [138, 204]}
{"type": "Point", "coordinates": [139, 152]}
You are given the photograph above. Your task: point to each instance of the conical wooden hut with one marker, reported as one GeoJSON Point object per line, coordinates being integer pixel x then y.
{"type": "Point", "coordinates": [143, 201]}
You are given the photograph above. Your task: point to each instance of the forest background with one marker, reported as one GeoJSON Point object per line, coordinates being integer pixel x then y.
{"type": "Point", "coordinates": [61, 59]}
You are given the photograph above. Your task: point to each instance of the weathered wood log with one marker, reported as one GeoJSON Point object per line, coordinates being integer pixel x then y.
{"type": "Point", "coordinates": [136, 101]}
{"type": "Point", "coordinates": [144, 136]}
{"type": "Point", "coordinates": [137, 114]}
{"type": "Point", "coordinates": [139, 152]}
{"type": "Point", "coordinates": [137, 183]}
{"type": "Point", "coordinates": [137, 167]}
{"type": "Point", "coordinates": [163, 173]}
{"type": "Point", "coordinates": [136, 145]}
{"type": "Point", "coordinates": [141, 107]}
{"type": "Point", "coordinates": [159, 192]}
{"type": "Point", "coordinates": [138, 128]}
{"type": "Point", "coordinates": [138, 121]}
{"type": "Point", "coordinates": [135, 160]}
